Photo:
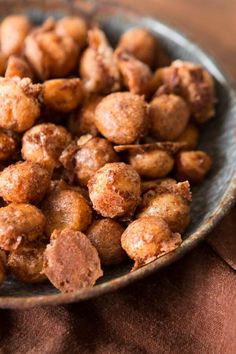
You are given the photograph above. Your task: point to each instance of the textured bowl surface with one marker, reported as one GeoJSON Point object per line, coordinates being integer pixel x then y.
{"type": "Point", "coordinates": [210, 201]}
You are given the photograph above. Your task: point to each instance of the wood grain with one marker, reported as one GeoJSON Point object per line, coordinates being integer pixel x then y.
{"type": "Point", "coordinates": [211, 23]}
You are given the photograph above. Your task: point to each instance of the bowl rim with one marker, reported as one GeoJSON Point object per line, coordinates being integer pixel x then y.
{"type": "Point", "coordinates": [226, 202]}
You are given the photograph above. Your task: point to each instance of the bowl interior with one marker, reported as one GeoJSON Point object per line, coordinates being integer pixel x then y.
{"type": "Point", "coordinates": [217, 138]}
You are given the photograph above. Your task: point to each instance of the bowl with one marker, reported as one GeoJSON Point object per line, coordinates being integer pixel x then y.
{"type": "Point", "coordinates": [211, 200]}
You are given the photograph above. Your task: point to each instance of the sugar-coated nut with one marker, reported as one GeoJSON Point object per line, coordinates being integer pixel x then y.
{"type": "Point", "coordinates": [172, 207]}
{"type": "Point", "coordinates": [73, 26]}
{"type": "Point", "coordinates": [20, 224]}
{"type": "Point", "coordinates": [122, 117]}
{"type": "Point", "coordinates": [44, 143]}
{"type": "Point", "coordinates": [14, 29]}
{"type": "Point", "coordinates": [105, 236]}
{"type": "Point", "coordinates": [51, 55]}
{"type": "Point", "coordinates": [136, 75]}
{"type": "Point", "coordinates": [141, 44]}
{"type": "Point", "coordinates": [192, 166]}
{"type": "Point", "coordinates": [66, 208]}
{"type": "Point", "coordinates": [19, 104]}
{"type": "Point", "coordinates": [62, 95]}
{"type": "Point", "coordinates": [26, 262]}
{"type": "Point", "coordinates": [147, 238]}
{"type": "Point", "coordinates": [98, 68]}
{"type": "Point", "coordinates": [190, 137]}
{"type": "Point", "coordinates": [17, 66]}
{"type": "Point", "coordinates": [92, 156]}
{"type": "Point", "coordinates": [24, 182]}
{"type": "Point", "coordinates": [153, 163]}
{"type": "Point", "coordinates": [71, 262]}
{"type": "Point", "coordinates": [82, 122]}
{"type": "Point", "coordinates": [115, 190]}
{"type": "Point", "coordinates": [8, 145]}
{"type": "Point", "coordinates": [169, 116]}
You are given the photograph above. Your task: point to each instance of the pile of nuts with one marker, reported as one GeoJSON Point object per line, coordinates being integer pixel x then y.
{"type": "Point", "coordinates": [97, 149]}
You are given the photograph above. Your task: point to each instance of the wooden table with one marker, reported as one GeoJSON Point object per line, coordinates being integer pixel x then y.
{"type": "Point", "coordinates": [211, 23]}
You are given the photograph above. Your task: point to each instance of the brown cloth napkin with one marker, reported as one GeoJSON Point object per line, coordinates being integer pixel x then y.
{"type": "Point", "coordinates": [188, 308]}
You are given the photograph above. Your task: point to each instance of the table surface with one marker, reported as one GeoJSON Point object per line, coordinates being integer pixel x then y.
{"type": "Point", "coordinates": [211, 23]}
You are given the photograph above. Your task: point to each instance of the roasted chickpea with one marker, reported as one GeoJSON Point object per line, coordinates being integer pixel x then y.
{"type": "Point", "coordinates": [90, 157]}
{"type": "Point", "coordinates": [169, 116]}
{"type": "Point", "coordinates": [44, 143]}
{"type": "Point", "coordinates": [115, 190]}
{"type": "Point", "coordinates": [98, 68]}
{"type": "Point", "coordinates": [147, 238]}
{"type": "Point", "coordinates": [73, 26]}
{"type": "Point", "coordinates": [82, 122]}
{"type": "Point", "coordinates": [71, 262]}
{"type": "Point", "coordinates": [121, 117]}
{"type": "Point", "coordinates": [170, 203]}
{"type": "Point", "coordinates": [51, 55]}
{"type": "Point", "coordinates": [24, 182]}
{"type": "Point", "coordinates": [20, 224]}
{"type": "Point", "coordinates": [3, 64]}
{"type": "Point", "coordinates": [141, 44]}
{"type": "Point", "coordinates": [17, 66]}
{"type": "Point", "coordinates": [194, 84]}
{"type": "Point", "coordinates": [192, 166]}
{"type": "Point", "coordinates": [26, 262]}
{"type": "Point", "coordinates": [19, 104]}
{"type": "Point", "coordinates": [62, 95]}
{"type": "Point", "coordinates": [153, 163]}
{"type": "Point", "coordinates": [105, 236]}
{"type": "Point", "coordinates": [136, 75]}
{"type": "Point", "coordinates": [14, 29]}
{"type": "Point", "coordinates": [66, 208]}
{"type": "Point", "coordinates": [2, 266]}
{"type": "Point", "coordinates": [190, 137]}
{"type": "Point", "coordinates": [8, 145]}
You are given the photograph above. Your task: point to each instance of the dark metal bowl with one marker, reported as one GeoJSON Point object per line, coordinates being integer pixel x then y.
{"type": "Point", "coordinates": [211, 200]}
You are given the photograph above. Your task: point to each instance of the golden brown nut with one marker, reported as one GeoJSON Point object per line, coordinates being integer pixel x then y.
{"type": "Point", "coordinates": [3, 64]}
{"type": "Point", "coordinates": [153, 163]}
{"type": "Point", "coordinates": [19, 104]}
{"type": "Point", "coordinates": [190, 137]}
{"type": "Point", "coordinates": [66, 208]}
{"type": "Point", "coordinates": [44, 143]}
{"type": "Point", "coordinates": [17, 66]}
{"type": "Point", "coordinates": [82, 122]}
{"type": "Point", "coordinates": [97, 65]}
{"type": "Point", "coordinates": [89, 157]}
{"type": "Point", "coordinates": [169, 202]}
{"type": "Point", "coordinates": [105, 236]}
{"type": "Point", "coordinates": [192, 166]}
{"type": "Point", "coordinates": [8, 145]}
{"type": "Point", "coordinates": [51, 55]}
{"type": "Point", "coordinates": [195, 84]}
{"type": "Point", "coordinates": [169, 116]}
{"type": "Point", "coordinates": [20, 224]}
{"type": "Point", "coordinates": [115, 190]}
{"type": "Point", "coordinates": [71, 262]}
{"type": "Point", "coordinates": [26, 262]}
{"type": "Point", "coordinates": [147, 238]}
{"type": "Point", "coordinates": [122, 117]}
{"type": "Point", "coordinates": [153, 184]}
{"type": "Point", "coordinates": [2, 266]}
{"type": "Point", "coordinates": [73, 26]}
{"type": "Point", "coordinates": [141, 44]}
{"type": "Point", "coordinates": [14, 29]}
{"type": "Point", "coordinates": [62, 95]}
{"type": "Point", "coordinates": [24, 182]}
{"type": "Point", "coordinates": [136, 75]}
